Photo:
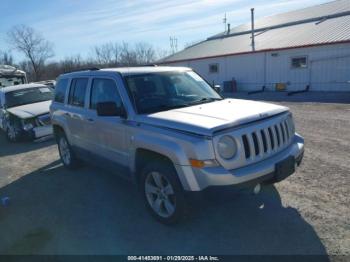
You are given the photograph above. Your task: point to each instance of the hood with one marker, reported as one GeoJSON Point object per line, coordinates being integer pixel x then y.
{"type": "Point", "coordinates": [207, 118]}
{"type": "Point", "coordinates": [30, 110]}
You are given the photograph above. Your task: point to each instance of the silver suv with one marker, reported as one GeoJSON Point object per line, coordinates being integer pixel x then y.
{"type": "Point", "coordinates": [170, 132]}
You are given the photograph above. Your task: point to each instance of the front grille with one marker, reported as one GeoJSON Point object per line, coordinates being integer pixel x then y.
{"type": "Point", "coordinates": [268, 140]}
{"type": "Point", "coordinates": [44, 120]}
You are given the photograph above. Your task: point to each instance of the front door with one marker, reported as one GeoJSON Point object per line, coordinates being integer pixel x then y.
{"type": "Point", "coordinates": [107, 134]}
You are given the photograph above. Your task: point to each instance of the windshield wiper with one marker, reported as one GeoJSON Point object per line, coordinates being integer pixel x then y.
{"type": "Point", "coordinates": [205, 100]}
{"type": "Point", "coordinates": [168, 107]}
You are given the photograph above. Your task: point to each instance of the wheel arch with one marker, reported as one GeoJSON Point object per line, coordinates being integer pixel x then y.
{"type": "Point", "coordinates": [144, 156]}
{"type": "Point", "coordinates": [58, 128]}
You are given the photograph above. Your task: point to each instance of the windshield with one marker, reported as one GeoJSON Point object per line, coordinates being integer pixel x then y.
{"type": "Point", "coordinates": [154, 92]}
{"type": "Point", "coordinates": [28, 96]}
{"type": "Point", "coordinates": [11, 80]}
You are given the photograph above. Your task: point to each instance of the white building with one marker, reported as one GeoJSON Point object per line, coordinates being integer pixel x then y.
{"type": "Point", "coordinates": [310, 46]}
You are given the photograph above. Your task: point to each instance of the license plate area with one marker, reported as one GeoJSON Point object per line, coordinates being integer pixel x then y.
{"type": "Point", "coordinates": [285, 168]}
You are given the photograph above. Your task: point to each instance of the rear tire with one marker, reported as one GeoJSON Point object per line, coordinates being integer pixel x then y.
{"type": "Point", "coordinates": [67, 155]}
{"type": "Point", "coordinates": [162, 192]}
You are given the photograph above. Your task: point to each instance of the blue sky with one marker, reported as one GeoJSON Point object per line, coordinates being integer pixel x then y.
{"type": "Point", "coordinates": [75, 26]}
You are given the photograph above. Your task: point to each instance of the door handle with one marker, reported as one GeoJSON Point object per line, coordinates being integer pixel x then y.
{"type": "Point", "coordinates": [90, 120]}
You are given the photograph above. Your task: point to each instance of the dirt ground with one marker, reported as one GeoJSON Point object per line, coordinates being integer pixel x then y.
{"type": "Point", "coordinates": [88, 211]}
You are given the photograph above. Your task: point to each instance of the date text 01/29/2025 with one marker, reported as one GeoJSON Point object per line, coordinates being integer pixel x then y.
{"type": "Point", "coordinates": [173, 258]}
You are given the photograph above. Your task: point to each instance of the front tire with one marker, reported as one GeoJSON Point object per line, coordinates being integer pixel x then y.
{"type": "Point", "coordinates": [67, 155]}
{"type": "Point", "coordinates": [162, 192]}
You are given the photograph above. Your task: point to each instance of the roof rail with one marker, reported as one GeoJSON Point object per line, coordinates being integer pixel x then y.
{"type": "Point", "coordinates": [83, 69]}
{"type": "Point", "coordinates": [142, 65]}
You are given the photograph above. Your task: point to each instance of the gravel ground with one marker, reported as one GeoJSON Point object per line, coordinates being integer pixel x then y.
{"type": "Point", "coordinates": [55, 211]}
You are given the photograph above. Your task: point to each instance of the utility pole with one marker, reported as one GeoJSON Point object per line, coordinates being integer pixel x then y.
{"type": "Point", "coordinates": [225, 22]}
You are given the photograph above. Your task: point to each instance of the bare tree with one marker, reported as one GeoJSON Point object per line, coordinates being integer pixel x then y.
{"type": "Point", "coordinates": [127, 55]}
{"type": "Point", "coordinates": [31, 43]}
{"type": "Point", "coordinates": [124, 54]}
{"type": "Point", "coordinates": [107, 54]}
{"type": "Point", "coordinates": [145, 53]}
{"type": "Point", "coordinates": [6, 58]}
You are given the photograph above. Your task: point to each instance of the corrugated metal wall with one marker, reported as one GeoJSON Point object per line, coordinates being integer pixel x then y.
{"type": "Point", "coordinates": [328, 69]}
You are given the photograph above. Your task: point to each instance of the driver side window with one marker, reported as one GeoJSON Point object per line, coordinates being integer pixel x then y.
{"type": "Point", "coordinates": [104, 90]}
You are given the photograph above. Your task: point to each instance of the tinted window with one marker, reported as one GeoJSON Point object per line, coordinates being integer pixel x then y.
{"type": "Point", "coordinates": [77, 92]}
{"type": "Point", "coordinates": [60, 90]}
{"type": "Point", "coordinates": [104, 90]}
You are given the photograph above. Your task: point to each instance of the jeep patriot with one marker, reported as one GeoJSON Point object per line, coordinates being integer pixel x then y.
{"type": "Point", "coordinates": [169, 131]}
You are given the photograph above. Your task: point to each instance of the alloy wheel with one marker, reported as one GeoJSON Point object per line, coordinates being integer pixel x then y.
{"type": "Point", "coordinates": [160, 194]}
{"type": "Point", "coordinates": [65, 151]}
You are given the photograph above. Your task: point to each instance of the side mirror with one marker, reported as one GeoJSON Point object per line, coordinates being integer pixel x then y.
{"type": "Point", "coordinates": [217, 88]}
{"type": "Point", "coordinates": [110, 109]}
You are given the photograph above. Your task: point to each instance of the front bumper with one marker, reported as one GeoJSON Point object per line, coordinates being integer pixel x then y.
{"type": "Point", "coordinates": [42, 131]}
{"type": "Point", "coordinates": [199, 179]}
{"type": "Point", "coordinates": [36, 132]}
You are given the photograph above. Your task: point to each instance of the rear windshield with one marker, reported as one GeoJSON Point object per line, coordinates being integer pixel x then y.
{"type": "Point", "coordinates": [28, 96]}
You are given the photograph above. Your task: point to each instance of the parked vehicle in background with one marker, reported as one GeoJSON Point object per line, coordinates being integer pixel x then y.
{"type": "Point", "coordinates": [49, 83]}
{"type": "Point", "coordinates": [24, 111]}
{"type": "Point", "coordinates": [170, 132]}
{"type": "Point", "coordinates": [10, 76]}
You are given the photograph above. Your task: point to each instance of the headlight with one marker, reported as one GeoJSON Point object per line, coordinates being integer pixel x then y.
{"type": "Point", "coordinates": [28, 124]}
{"type": "Point", "coordinates": [227, 147]}
{"type": "Point", "coordinates": [28, 127]}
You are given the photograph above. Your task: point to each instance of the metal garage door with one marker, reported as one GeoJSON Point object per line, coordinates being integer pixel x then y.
{"type": "Point", "coordinates": [330, 74]}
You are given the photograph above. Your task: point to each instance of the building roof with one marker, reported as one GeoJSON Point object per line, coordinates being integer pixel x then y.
{"type": "Point", "coordinates": [322, 24]}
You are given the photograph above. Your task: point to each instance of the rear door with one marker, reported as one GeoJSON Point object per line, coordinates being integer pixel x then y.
{"type": "Point", "coordinates": [75, 113]}
{"type": "Point", "coordinates": [106, 135]}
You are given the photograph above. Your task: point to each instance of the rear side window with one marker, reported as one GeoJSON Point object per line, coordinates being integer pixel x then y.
{"type": "Point", "coordinates": [60, 90]}
{"type": "Point", "coordinates": [77, 92]}
{"type": "Point", "coordinates": [104, 90]}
